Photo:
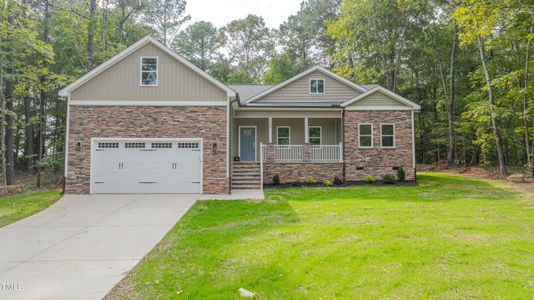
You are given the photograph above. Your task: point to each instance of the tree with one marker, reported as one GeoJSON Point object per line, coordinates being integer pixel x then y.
{"type": "Point", "coordinates": [370, 40]}
{"type": "Point", "coordinates": [166, 17]}
{"type": "Point", "coordinates": [282, 67]}
{"type": "Point", "coordinates": [248, 42]}
{"type": "Point", "coordinates": [304, 34]}
{"type": "Point", "coordinates": [200, 43]}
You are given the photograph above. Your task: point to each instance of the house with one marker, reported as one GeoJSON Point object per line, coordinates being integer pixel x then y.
{"type": "Point", "coordinates": [149, 121]}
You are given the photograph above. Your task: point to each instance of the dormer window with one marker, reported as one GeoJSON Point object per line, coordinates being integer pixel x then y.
{"type": "Point", "coordinates": [317, 86]}
{"type": "Point", "coordinates": [149, 71]}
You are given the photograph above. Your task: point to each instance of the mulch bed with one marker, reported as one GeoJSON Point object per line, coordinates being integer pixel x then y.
{"type": "Point", "coordinates": [345, 184]}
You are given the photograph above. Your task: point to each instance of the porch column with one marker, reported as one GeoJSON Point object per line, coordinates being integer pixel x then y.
{"type": "Point", "coordinates": [270, 130]}
{"type": "Point", "coordinates": [306, 131]}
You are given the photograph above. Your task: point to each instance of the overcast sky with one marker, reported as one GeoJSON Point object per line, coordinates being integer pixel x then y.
{"type": "Point", "coordinates": [221, 12]}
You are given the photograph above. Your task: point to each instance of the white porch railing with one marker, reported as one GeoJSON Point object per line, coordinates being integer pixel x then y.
{"type": "Point", "coordinates": [288, 152]}
{"type": "Point", "coordinates": [263, 151]}
{"type": "Point", "coordinates": [325, 152]}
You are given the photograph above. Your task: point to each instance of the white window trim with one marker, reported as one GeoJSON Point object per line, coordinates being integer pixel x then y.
{"type": "Point", "coordinates": [320, 134]}
{"type": "Point", "coordinates": [141, 71]}
{"type": "Point", "coordinates": [359, 135]}
{"type": "Point", "coordinates": [255, 140]}
{"type": "Point", "coordinates": [289, 128]}
{"type": "Point", "coordinates": [317, 93]}
{"type": "Point", "coordinates": [394, 137]}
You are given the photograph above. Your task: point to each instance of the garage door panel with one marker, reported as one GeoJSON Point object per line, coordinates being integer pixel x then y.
{"type": "Point", "coordinates": [146, 170]}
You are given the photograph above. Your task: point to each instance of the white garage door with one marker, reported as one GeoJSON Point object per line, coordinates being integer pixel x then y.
{"type": "Point", "coordinates": [146, 166]}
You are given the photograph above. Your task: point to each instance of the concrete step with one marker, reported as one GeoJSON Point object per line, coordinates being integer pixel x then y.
{"type": "Point", "coordinates": [246, 187]}
{"type": "Point", "coordinates": [246, 172]}
{"type": "Point", "coordinates": [247, 177]}
{"type": "Point", "coordinates": [246, 181]}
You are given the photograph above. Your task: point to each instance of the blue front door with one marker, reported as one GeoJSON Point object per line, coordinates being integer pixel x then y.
{"type": "Point", "coordinates": [247, 143]}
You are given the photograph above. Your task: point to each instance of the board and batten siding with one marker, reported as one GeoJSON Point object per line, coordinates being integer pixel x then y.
{"type": "Point", "coordinates": [377, 99]}
{"type": "Point", "coordinates": [299, 90]}
{"type": "Point", "coordinates": [176, 81]}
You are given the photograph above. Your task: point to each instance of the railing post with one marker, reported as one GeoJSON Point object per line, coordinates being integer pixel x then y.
{"type": "Point", "coordinates": [261, 165]}
{"type": "Point", "coordinates": [340, 152]}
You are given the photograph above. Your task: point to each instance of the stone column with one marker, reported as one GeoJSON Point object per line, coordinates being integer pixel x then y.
{"type": "Point", "coordinates": [306, 153]}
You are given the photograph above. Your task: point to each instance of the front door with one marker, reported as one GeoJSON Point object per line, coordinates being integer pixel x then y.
{"type": "Point", "coordinates": [247, 143]}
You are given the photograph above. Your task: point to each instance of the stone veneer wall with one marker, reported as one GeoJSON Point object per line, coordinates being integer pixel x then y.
{"type": "Point", "coordinates": [378, 161]}
{"type": "Point", "coordinates": [207, 122]}
{"type": "Point", "coordinates": [298, 172]}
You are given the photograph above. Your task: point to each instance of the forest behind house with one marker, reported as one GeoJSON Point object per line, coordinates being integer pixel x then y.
{"type": "Point", "coordinates": [467, 63]}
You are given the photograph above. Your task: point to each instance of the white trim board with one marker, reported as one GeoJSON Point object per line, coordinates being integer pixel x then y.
{"type": "Point", "coordinates": [123, 54]}
{"type": "Point", "coordinates": [298, 76]}
{"type": "Point", "coordinates": [410, 105]}
{"type": "Point", "coordinates": [147, 103]}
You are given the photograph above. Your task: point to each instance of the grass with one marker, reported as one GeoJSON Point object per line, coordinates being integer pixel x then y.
{"type": "Point", "coordinates": [16, 207]}
{"type": "Point", "coordinates": [451, 237]}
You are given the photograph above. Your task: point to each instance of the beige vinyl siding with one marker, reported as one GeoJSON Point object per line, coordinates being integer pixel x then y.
{"type": "Point", "coordinates": [377, 99]}
{"type": "Point", "coordinates": [299, 90]}
{"type": "Point", "coordinates": [331, 131]}
{"type": "Point", "coordinates": [176, 81]}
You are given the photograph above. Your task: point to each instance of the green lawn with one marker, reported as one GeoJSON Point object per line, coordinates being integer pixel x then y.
{"type": "Point", "coordinates": [16, 207]}
{"type": "Point", "coordinates": [450, 237]}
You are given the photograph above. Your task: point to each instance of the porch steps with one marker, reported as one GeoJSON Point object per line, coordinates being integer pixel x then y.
{"type": "Point", "coordinates": [246, 176]}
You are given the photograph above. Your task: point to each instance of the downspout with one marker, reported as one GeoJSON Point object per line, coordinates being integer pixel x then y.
{"type": "Point", "coordinates": [343, 143]}
{"type": "Point", "coordinates": [66, 146]}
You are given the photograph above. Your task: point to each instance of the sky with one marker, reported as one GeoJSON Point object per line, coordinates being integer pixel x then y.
{"type": "Point", "coordinates": [221, 12]}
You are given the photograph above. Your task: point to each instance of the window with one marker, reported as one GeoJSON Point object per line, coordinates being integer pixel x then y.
{"type": "Point", "coordinates": [134, 145]}
{"type": "Point", "coordinates": [316, 86]}
{"type": "Point", "coordinates": [366, 135]}
{"type": "Point", "coordinates": [315, 135]}
{"type": "Point", "coordinates": [188, 145]}
{"type": "Point", "coordinates": [108, 145]}
{"type": "Point", "coordinates": [283, 134]}
{"type": "Point", "coordinates": [149, 71]}
{"type": "Point", "coordinates": [161, 145]}
{"type": "Point", "coordinates": [387, 135]}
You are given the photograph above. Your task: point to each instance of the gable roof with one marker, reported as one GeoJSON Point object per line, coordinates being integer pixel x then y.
{"type": "Point", "coordinates": [124, 53]}
{"type": "Point", "coordinates": [385, 91]}
{"type": "Point", "coordinates": [247, 91]}
{"type": "Point", "coordinates": [302, 74]}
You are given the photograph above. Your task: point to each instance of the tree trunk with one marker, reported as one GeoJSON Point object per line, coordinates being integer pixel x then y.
{"type": "Point", "coordinates": [104, 23]}
{"type": "Point", "coordinates": [450, 117]}
{"type": "Point", "coordinates": [526, 115]}
{"type": "Point", "coordinates": [9, 131]}
{"type": "Point", "coordinates": [91, 35]}
{"type": "Point", "coordinates": [500, 152]}
{"type": "Point", "coordinates": [42, 99]}
{"type": "Point", "coordinates": [28, 133]}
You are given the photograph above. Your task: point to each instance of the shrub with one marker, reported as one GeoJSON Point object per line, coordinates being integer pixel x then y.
{"type": "Point", "coordinates": [310, 180]}
{"type": "Point", "coordinates": [389, 178]}
{"type": "Point", "coordinates": [369, 179]}
{"type": "Point", "coordinates": [328, 182]}
{"type": "Point", "coordinates": [338, 181]}
{"type": "Point", "coordinates": [276, 179]}
{"type": "Point", "coordinates": [401, 175]}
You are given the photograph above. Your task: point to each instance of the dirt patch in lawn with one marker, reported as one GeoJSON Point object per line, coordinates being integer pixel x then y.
{"type": "Point", "coordinates": [479, 172]}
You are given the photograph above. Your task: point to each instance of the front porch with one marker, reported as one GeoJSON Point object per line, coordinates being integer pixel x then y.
{"type": "Point", "coordinates": [288, 137]}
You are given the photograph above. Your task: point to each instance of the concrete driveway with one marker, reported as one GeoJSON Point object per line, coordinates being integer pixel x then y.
{"type": "Point", "coordinates": [82, 246]}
